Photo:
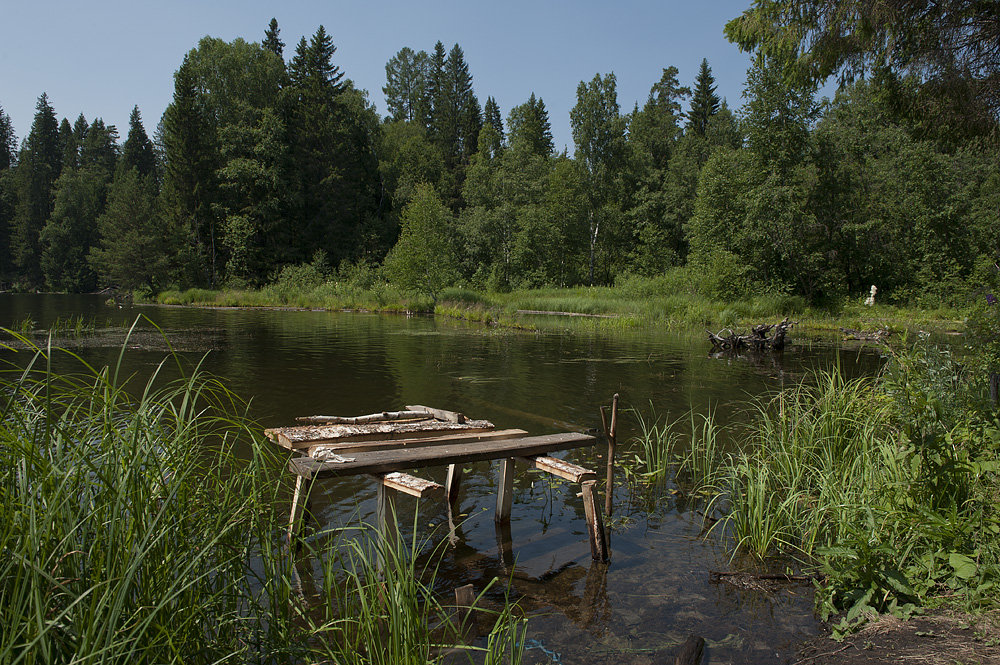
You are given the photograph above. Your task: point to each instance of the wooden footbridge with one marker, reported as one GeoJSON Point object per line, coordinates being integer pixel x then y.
{"type": "Point", "coordinates": [388, 445]}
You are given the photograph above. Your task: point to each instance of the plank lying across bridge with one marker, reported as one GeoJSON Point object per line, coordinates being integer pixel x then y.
{"type": "Point", "coordinates": [384, 461]}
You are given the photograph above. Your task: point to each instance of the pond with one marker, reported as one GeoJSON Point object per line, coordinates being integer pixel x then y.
{"type": "Point", "coordinates": [655, 591]}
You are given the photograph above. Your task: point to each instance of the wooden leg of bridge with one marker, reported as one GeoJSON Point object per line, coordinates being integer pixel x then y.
{"type": "Point", "coordinates": [595, 523]}
{"type": "Point", "coordinates": [505, 490]}
{"type": "Point", "coordinates": [385, 515]}
{"type": "Point", "coordinates": [453, 484]}
{"type": "Point", "coordinates": [300, 511]}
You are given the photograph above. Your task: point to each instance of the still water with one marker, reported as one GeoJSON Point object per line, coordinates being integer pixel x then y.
{"type": "Point", "coordinates": [655, 591]}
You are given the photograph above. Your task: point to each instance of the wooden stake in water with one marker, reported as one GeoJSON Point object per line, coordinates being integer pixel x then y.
{"type": "Point", "coordinates": [611, 433]}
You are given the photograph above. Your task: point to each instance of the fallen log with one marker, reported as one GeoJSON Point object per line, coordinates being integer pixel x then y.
{"type": "Point", "coordinates": [760, 337]}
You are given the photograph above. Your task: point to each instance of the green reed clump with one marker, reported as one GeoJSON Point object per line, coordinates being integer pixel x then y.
{"type": "Point", "coordinates": [378, 607]}
{"type": "Point", "coordinates": [691, 448]}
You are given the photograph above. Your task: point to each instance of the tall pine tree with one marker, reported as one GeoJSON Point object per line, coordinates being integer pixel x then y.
{"type": "Point", "coordinates": [405, 86]}
{"type": "Point", "coordinates": [529, 127]}
{"type": "Point", "coordinates": [137, 152]}
{"type": "Point", "coordinates": [7, 144]}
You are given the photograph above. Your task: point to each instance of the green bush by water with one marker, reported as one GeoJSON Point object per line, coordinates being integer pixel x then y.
{"type": "Point", "coordinates": [887, 485]}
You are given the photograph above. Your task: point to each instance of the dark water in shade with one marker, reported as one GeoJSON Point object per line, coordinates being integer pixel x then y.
{"type": "Point", "coordinates": [656, 589]}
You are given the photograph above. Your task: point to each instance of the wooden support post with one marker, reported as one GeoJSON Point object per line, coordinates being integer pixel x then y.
{"type": "Point", "coordinates": [612, 434]}
{"type": "Point", "coordinates": [453, 484]}
{"type": "Point", "coordinates": [299, 512]}
{"type": "Point", "coordinates": [691, 651]}
{"type": "Point", "coordinates": [385, 515]}
{"type": "Point", "coordinates": [595, 523]}
{"type": "Point", "coordinates": [505, 545]}
{"type": "Point", "coordinates": [505, 490]}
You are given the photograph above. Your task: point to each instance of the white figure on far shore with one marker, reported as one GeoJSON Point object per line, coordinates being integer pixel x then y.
{"type": "Point", "coordinates": [870, 300]}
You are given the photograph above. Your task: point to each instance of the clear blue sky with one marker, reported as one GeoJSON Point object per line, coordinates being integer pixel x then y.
{"type": "Point", "coordinates": [102, 57]}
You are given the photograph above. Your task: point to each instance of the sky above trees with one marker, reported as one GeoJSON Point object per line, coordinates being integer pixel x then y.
{"type": "Point", "coordinates": [103, 58]}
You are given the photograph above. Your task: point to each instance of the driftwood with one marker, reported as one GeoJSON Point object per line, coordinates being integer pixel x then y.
{"type": "Point", "coordinates": [758, 339]}
{"type": "Point", "coordinates": [384, 417]}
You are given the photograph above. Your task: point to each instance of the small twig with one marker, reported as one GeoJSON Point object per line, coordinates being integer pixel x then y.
{"type": "Point", "coordinates": [822, 655]}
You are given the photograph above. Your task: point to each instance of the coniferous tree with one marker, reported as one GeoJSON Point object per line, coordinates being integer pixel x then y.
{"type": "Point", "coordinates": [530, 128]}
{"type": "Point", "coordinates": [704, 101]}
{"type": "Point", "coordinates": [7, 144]}
{"type": "Point", "coordinates": [437, 89]}
{"type": "Point", "coordinates": [71, 231]}
{"type": "Point", "coordinates": [136, 248]}
{"type": "Point", "coordinates": [99, 149]}
{"type": "Point", "coordinates": [69, 145]}
{"type": "Point", "coordinates": [189, 180]}
{"type": "Point", "coordinates": [491, 116]}
{"type": "Point", "coordinates": [271, 40]}
{"type": "Point", "coordinates": [38, 166]}
{"type": "Point", "coordinates": [334, 173]}
{"type": "Point", "coordinates": [137, 152]}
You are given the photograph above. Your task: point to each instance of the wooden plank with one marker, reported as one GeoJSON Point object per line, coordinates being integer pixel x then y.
{"type": "Point", "coordinates": [505, 490]}
{"type": "Point", "coordinates": [384, 416]}
{"type": "Point", "coordinates": [407, 484]}
{"type": "Point", "coordinates": [561, 468]}
{"type": "Point", "coordinates": [440, 414]}
{"type": "Point", "coordinates": [384, 461]}
{"type": "Point", "coordinates": [306, 436]}
{"type": "Point", "coordinates": [595, 524]}
{"type": "Point", "coordinates": [296, 518]}
{"type": "Point", "coordinates": [461, 437]}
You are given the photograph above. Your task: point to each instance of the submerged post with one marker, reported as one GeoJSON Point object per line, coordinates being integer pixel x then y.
{"type": "Point", "coordinates": [505, 490]}
{"type": "Point", "coordinates": [611, 433]}
{"type": "Point", "coordinates": [595, 523]}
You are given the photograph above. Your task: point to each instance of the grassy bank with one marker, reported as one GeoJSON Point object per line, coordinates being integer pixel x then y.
{"type": "Point", "coordinates": [146, 525]}
{"type": "Point", "coordinates": [675, 300]}
{"type": "Point", "coordinates": [887, 487]}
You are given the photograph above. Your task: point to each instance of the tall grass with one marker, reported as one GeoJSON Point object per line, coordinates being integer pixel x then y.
{"type": "Point", "coordinates": [691, 449]}
{"type": "Point", "coordinates": [146, 526]}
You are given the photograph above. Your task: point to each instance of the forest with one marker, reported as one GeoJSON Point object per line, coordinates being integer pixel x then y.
{"type": "Point", "coordinates": [261, 162]}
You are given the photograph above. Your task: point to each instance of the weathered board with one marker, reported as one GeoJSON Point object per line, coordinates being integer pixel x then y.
{"type": "Point", "coordinates": [561, 468]}
{"type": "Point", "coordinates": [382, 444]}
{"type": "Point", "coordinates": [407, 484]}
{"type": "Point", "coordinates": [306, 436]}
{"type": "Point", "coordinates": [384, 461]}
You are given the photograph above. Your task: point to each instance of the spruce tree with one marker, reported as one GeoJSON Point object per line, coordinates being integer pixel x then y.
{"type": "Point", "coordinates": [69, 146]}
{"type": "Point", "coordinates": [491, 116]}
{"type": "Point", "coordinates": [189, 180]}
{"type": "Point", "coordinates": [271, 41]}
{"type": "Point", "coordinates": [137, 152]}
{"type": "Point", "coordinates": [100, 148]}
{"type": "Point", "coordinates": [437, 90]}
{"type": "Point", "coordinates": [530, 128]}
{"type": "Point", "coordinates": [7, 144]}
{"type": "Point", "coordinates": [39, 163]}
{"type": "Point", "coordinates": [704, 101]}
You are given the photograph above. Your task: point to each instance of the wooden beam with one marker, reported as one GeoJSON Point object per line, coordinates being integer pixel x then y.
{"type": "Point", "coordinates": [595, 524]}
{"type": "Point", "coordinates": [383, 461]}
{"type": "Point", "coordinates": [306, 436]}
{"type": "Point", "coordinates": [561, 468]}
{"type": "Point", "coordinates": [461, 437]}
{"type": "Point", "coordinates": [440, 414]}
{"type": "Point", "coordinates": [505, 490]}
{"type": "Point", "coordinates": [407, 484]}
